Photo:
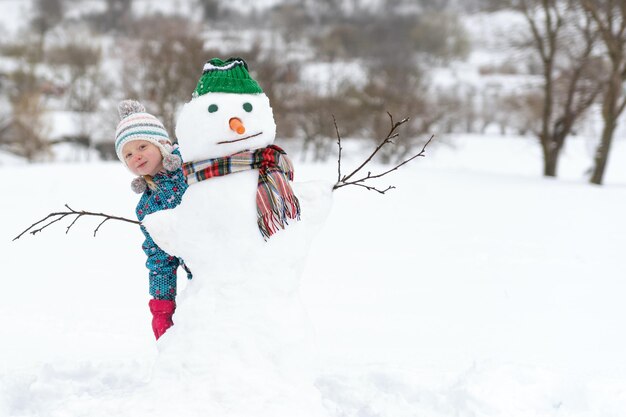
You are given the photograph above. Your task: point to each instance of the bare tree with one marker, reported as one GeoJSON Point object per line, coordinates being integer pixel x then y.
{"type": "Point", "coordinates": [163, 66]}
{"type": "Point", "coordinates": [47, 13]}
{"type": "Point", "coordinates": [451, 109]}
{"type": "Point", "coordinates": [117, 14]}
{"type": "Point", "coordinates": [570, 74]}
{"type": "Point", "coordinates": [440, 35]}
{"type": "Point", "coordinates": [290, 19]}
{"type": "Point", "coordinates": [279, 79]}
{"type": "Point", "coordinates": [210, 9]}
{"type": "Point", "coordinates": [520, 111]}
{"type": "Point", "coordinates": [87, 84]}
{"type": "Point", "coordinates": [24, 131]}
{"type": "Point", "coordinates": [313, 119]}
{"type": "Point", "coordinates": [610, 18]}
{"type": "Point", "coordinates": [399, 87]}
{"type": "Point", "coordinates": [24, 134]}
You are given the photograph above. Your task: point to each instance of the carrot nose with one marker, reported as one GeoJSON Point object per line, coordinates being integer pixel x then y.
{"type": "Point", "coordinates": [236, 125]}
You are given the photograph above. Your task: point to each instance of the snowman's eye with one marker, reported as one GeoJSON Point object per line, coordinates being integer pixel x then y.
{"type": "Point", "coordinates": [247, 107]}
{"type": "Point", "coordinates": [212, 108]}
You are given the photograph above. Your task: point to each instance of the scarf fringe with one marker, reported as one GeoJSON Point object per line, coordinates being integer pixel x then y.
{"type": "Point", "coordinates": [276, 219]}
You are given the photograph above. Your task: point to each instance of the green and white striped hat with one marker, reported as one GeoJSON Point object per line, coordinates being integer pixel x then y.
{"type": "Point", "coordinates": [230, 76]}
{"type": "Point", "coordinates": [137, 124]}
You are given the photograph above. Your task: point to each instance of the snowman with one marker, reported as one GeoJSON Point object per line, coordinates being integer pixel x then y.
{"type": "Point", "coordinates": [241, 333]}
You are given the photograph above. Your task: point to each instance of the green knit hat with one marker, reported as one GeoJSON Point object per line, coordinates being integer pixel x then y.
{"type": "Point", "coordinates": [230, 76]}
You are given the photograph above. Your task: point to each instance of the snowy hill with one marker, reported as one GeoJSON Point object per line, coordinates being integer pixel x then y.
{"type": "Point", "coordinates": [476, 288]}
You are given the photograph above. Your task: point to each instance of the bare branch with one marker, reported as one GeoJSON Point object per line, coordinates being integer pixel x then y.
{"type": "Point", "coordinates": [97, 228]}
{"type": "Point", "coordinates": [62, 214]}
{"type": "Point", "coordinates": [421, 153]}
{"type": "Point", "coordinates": [71, 224]}
{"type": "Point", "coordinates": [391, 135]}
{"type": "Point", "coordinates": [339, 145]}
{"type": "Point", "coordinates": [48, 224]}
{"type": "Point", "coordinates": [368, 187]}
{"type": "Point", "coordinates": [345, 180]}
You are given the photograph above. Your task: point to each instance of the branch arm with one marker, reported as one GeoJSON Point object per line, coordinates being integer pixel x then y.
{"type": "Point", "coordinates": [345, 180]}
{"type": "Point", "coordinates": [391, 135]}
{"type": "Point", "coordinates": [62, 214]}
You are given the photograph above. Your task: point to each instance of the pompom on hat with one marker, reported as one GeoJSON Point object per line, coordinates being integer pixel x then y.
{"type": "Point", "coordinates": [230, 76]}
{"type": "Point", "coordinates": [137, 124]}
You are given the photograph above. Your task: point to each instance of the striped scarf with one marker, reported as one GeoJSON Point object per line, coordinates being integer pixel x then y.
{"type": "Point", "coordinates": [275, 200]}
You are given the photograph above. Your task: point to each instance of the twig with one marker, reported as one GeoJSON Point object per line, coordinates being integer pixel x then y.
{"type": "Point", "coordinates": [421, 153]}
{"type": "Point", "coordinates": [393, 133]}
{"type": "Point", "coordinates": [338, 144]}
{"type": "Point", "coordinates": [98, 228]}
{"type": "Point", "coordinates": [62, 214]}
{"type": "Point", "coordinates": [370, 188]}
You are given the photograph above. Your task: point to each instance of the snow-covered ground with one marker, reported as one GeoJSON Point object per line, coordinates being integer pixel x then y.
{"type": "Point", "coordinates": [476, 288]}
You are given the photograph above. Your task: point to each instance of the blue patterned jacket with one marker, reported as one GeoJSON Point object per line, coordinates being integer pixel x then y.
{"type": "Point", "coordinates": [170, 188]}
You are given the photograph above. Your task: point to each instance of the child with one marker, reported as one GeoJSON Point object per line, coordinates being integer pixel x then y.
{"type": "Point", "coordinates": [143, 145]}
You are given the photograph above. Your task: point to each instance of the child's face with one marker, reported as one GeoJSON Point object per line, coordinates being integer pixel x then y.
{"type": "Point", "coordinates": [142, 157]}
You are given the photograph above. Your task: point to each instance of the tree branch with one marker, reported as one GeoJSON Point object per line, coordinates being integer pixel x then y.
{"type": "Point", "coordinates": [62, 214]}
{"type": "Point", "coordinates": [345, 180]}
{"type": "Point", "coordinates": [339, 145]}
{"type": "Point", "coordinates": [391, 135]}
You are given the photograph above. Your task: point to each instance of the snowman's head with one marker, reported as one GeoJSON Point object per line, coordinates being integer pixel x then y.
{"type": "Point", "coordinates": [228, 113]}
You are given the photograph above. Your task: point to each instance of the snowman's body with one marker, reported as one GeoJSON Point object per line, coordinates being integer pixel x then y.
{"type": "Point", "coordinates": [240, 325]}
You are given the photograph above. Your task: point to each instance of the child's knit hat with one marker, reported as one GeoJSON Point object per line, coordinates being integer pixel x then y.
{"type": "Point", "coordinates": [136, 124]}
